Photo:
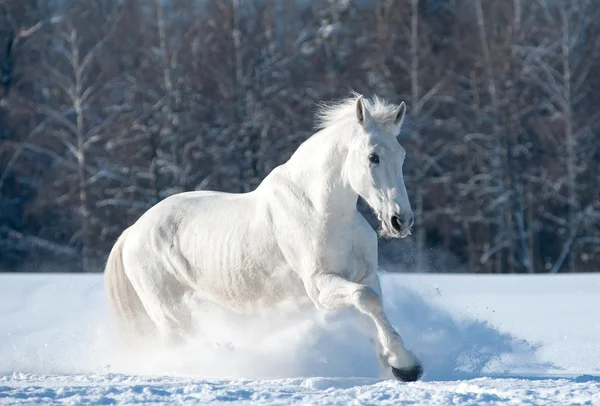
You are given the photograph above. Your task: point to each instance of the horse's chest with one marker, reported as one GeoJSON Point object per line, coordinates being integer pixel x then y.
{"type": "Point", "coordinates": [337, 254]}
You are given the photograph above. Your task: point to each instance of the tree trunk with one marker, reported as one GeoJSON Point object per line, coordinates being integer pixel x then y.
{"type": "Point", "coordinates": [415, 87]}
{"type": "Point", "coordinates": [240, 95]}
{"type": "Point", "coordinates": [84, 209]}
{"type": "Point", "coordinates": [168, 131]}
{"type": "Point", "coordinates": [569, 139]}
{"type": "Point", "coordinates": [496, 160]}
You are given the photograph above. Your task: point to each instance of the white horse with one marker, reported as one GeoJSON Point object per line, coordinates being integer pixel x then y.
{"type": "Point", "coordinates": [297, 237]}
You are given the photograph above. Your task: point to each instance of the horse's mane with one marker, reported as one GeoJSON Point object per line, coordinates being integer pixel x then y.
{"type": "Point", "coordinates": [344, 111]}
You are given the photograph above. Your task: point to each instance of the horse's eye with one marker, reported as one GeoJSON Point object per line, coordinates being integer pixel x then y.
{"type": "Point", "coordinates": [374, 159]}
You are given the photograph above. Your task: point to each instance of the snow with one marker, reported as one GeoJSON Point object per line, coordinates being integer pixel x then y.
{"type": "Point", "coordinates": [483, 339]}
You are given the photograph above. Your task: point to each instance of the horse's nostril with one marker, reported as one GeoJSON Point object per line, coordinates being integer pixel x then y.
{"type": "Point", "coordinates": [396, 223]}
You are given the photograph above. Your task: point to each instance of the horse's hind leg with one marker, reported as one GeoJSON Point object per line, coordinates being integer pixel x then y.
{"type": "Point", "coordinates": [165, 303]}
{"type": "Point", "coordinates": [173, 325]}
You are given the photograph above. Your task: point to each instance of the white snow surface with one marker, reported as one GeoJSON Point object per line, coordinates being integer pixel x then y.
{"type": "Point", "coordinates": [483, 339]}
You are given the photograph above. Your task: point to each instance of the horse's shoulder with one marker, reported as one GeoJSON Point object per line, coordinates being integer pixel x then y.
{"type": "Point", "coordinates": [281, 189]}
{"type": "Point", "coordinates": [288, 206]}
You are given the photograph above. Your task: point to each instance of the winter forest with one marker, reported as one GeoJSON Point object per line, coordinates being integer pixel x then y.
{"type": "Point", "coordinates": [108, 106]}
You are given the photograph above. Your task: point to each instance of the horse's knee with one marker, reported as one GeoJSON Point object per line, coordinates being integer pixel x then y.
{"type": "Point", "coordinates": [366, 298]}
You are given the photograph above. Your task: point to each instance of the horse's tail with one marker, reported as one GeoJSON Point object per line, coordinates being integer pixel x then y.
{"type": "Point", "coordinates": [123, 301]}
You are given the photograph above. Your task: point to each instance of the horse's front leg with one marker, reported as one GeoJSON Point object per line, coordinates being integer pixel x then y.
{"type": "Point", "coordinates": [335, 292]}
{"type": "Point", "coordinates": [372, 280]}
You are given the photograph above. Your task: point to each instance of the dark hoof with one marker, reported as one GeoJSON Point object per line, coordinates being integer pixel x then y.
{"type": "Point", "coordinates": [410, 374]}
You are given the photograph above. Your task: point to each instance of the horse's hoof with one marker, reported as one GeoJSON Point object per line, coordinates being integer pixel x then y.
{"type": "Point", "coordinates": [409, 374]}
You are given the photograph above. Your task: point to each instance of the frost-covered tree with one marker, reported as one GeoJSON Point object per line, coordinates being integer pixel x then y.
{"type": "Point", "coordinates": [107, 107]}
{"type": "Point", "coordinates": [563, 52]}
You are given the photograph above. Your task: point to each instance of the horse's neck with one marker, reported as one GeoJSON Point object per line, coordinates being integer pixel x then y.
{"type": "Point", "coordinates": [318, 167]}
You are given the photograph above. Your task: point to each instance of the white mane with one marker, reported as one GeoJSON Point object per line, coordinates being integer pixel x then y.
{"type": "Point", "coordinates": [344, 112]}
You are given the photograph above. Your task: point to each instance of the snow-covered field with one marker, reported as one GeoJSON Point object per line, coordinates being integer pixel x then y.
{"type": "Point", "coordinates": [482, 340]}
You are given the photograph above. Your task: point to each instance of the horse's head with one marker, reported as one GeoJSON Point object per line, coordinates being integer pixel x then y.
{"type": "Point", "coordinates": [374, 165]}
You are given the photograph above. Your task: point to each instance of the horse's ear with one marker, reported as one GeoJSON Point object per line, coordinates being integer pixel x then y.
{"type": "Point", "coordinates": [399, 114]}
{"type": "Point", "coordinates": [362, 113]}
